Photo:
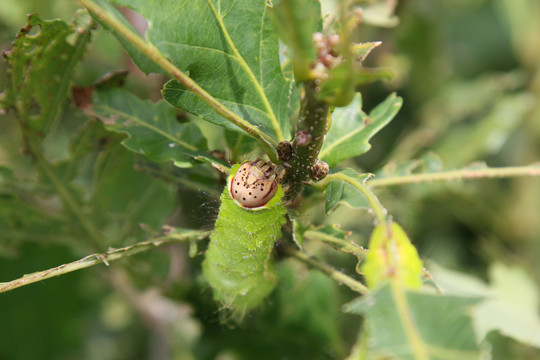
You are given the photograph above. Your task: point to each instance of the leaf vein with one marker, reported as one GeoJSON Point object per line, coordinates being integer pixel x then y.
{"type": "Point", "coordinates": [258, 86]}
{"type": "Point", "coordinates": [147, 125]}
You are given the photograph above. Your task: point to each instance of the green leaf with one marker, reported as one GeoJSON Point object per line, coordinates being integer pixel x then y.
{"type": "Point", "coordinates": [392, 256]}
{"type": "Point", "coordinates": [296, 21]}
{"type": "Point", "coordinates": [339, 192]}
{"type": "Point", "coordinates": [512, 294]}
{"type": "Point", "coordinates": [352, 129]}
{"type": "Point", "coordinates": [230, 49]}
{"type": "Point", "coordinates": [362, 50]}
{"type": "Point", "coordinates": [152, 128]}
{"type": "Point", "coordinates": [41, 65]}
{"type": "Point", "coordinates": [515, 302]}
{"type": "Point", "coordinates": [411, 325]}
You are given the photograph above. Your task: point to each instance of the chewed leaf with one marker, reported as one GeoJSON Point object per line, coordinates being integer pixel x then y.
{"type": "Point", "coordinates": [41, 65]}
{"type": "Point", "coordinates": [392, 256]}
{"type": "Point", "coordinates": [152, 127]}
{"type": "Point", "coordinates": [230, 49]}
{"type": "Point", "coordinates": [352, 129]}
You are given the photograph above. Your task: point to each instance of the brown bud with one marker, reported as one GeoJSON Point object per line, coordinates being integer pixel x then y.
{"type": "Point", "coordinates": [285, 150]}
{"type": "Point", "coordinates": [319, 170]}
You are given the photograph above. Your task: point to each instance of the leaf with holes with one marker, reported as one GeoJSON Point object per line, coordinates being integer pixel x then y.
{"type": "Point", "coordinates": [41, 66]}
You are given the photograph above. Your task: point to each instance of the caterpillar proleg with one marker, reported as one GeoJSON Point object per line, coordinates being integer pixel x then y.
{"type": "Point", "coordinates": [238, 264]}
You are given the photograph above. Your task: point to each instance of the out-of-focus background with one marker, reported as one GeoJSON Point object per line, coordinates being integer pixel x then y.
{"type": "Point", "coordinates": [469, 73]}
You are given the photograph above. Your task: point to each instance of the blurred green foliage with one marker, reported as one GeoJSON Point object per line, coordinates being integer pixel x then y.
{"type": "Point", "coordinates": [469, 74]}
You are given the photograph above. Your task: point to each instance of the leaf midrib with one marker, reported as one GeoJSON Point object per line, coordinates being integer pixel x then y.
{"type": "Point", "coordinates": [247, 69]}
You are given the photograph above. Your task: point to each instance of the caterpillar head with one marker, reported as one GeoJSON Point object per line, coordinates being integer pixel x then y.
{"type": "Point", "coordinates": [255, 183]}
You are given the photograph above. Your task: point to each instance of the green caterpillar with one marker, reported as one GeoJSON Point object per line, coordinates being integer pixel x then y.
{"type": "Point", "coordinates": [238, 264]}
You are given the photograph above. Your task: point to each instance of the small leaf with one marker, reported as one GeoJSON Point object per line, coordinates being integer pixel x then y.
{"type": "Point", "coordinates": [152, 127]}
{"type": "Point", "coordinates": [352, 129]}
{"type": "Point", "coordinates": [342, 80]}
{"type": "Point", "coordinates": [296, 21]}
{"type": "Point", "coordinates": [338, 239]}
{"type": "Point", "coordinates": [362, 50]}
{"type": "Point", "coordinates": [411, 325]}
{"type": "Point", "coordinates": [392, 256]}
{"type": "Point", "coordinates": [339, 192]}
